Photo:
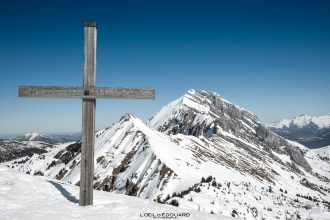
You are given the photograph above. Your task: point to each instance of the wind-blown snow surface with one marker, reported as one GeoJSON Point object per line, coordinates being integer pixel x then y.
{"type": "Point", "coordinates": [25, 197]}
{"type": "Point", "coordinates": [256, 174]}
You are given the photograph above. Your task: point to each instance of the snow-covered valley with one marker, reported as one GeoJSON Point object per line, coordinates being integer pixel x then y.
{"type": "Point", "coordinates": [311, 131]}
{"type": "Point", "coordinates": [204, 154]}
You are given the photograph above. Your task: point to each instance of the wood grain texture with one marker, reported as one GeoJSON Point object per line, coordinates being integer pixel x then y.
{"type": "Point", "coordinates": [88, 119]}
{"type": "Point", "coordinates": [123, 93]}
{"type": "Point", "coordinates": [88, 93]}
{"type": "Point", "coordinates": [50, 92]}
{"type": "Point", "coordinates": [79, 92]}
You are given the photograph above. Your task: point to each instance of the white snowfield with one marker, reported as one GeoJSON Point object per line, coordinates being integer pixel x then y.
{"type": "Point", "coordinates": [322, 121]}
{"type": "Point", "coordinates": [25, 197]}
{"type": "Point", "coordinates": [192, 138]}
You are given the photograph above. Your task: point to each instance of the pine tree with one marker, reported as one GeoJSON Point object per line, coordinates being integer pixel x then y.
{"type": "Point", "coordinates": [127, 184]}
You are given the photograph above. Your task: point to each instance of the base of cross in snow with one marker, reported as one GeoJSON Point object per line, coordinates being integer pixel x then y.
{"type": "Point", "coordinates": [32, 198]}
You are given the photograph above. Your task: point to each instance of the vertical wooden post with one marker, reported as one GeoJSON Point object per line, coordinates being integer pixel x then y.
{"type": "Point", "coordinates": [88, 116]}
{"type": "Point", "coordinates": [88, 93]}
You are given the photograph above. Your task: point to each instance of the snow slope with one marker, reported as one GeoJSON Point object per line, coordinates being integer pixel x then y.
{"type": "Point", "coordinates": [320, 158]}
{"type": "Point", "coordinates": [208, 115]}
{"type": "Point", "coordinates": [256, 173]}
{"type": "Point", "coordinates": [323, 151]}
{"type": "Point", "coordinates": [25, 197]}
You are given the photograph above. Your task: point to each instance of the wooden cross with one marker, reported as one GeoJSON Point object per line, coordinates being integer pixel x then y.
{"type": "Point", "coordinates": [88, 93]}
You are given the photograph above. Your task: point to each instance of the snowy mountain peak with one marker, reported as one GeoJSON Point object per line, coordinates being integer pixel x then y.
{"type": "Point", "coordinates": [127, 117]}
{"type": "Point", "coordinates": [311, 131]}
{"type": "Point", "coordinates": [50, 139]}
{"type": "Point", "coordinates": [201, 97]}
{"type": "Point", "coordinates": [201, 93]}
{"type": "Point", "coordinates": [31, 137]}
{"type": "Point", "coordinates": [208, 115]}
{"type": "Point", "coordinates": [198, 152]}
{"type": "Point", "coordinates": [304, 120]}
{"type": "Point", "coordinates": [203, 106]}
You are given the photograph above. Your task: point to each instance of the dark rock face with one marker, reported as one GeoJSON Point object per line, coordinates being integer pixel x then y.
{"type": "Point", "coordinates": [69, 153]}
{"type": "Point", "coordinates": [297, 156]}
{"type": "Point", "coordinates": [12, 149]}
{"type": "Point", "coordinates": [207, 114]}
{"type": "Point", "coordinates": [275, 142]}
{"type": "Point", "coordinates": [189, 121]}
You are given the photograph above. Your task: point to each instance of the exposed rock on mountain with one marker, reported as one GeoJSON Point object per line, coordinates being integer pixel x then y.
{"type": "Point", "coordinates": [200, 152]}
{"type": "Point", "coordinates": [304, 120]}
{"type": "Point", "coordinates": [13, 149]}
{"type": "Point", "coordinates": [313, 132]}
{"type": "Point", "coordinates": [201, 113]}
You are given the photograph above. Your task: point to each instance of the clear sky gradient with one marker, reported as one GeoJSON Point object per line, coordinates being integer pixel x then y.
{"type": "Point", "coordinates": [270, 57]}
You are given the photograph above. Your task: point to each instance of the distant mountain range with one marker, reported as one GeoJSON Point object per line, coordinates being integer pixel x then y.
{"type": "Point", "coordinates": [204, 153]}
{"type": "Point", "coordinates": [311, 131]}
{"type": "Point", "coordinates": [51, 139]}
{"type": "Point", "coordinates": [32, 143]}
{"type": "Point", "coordinates": [13, 149]}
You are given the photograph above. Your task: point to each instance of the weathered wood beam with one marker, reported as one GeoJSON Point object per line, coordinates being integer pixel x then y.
{"type": "Point", "coordinates": [88, 116]}
{"type": "Point", "coordinates": [50, 91]}
{"type": "Point", "coordinates": [123, 93]}
{"type": "Point", "coordinates": [87, 93]}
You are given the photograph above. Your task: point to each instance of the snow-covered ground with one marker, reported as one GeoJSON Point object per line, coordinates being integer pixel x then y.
{"type": "Point", "coordinates": [256, 174]}
{"type": "Point", "coordinates": [31, 197]}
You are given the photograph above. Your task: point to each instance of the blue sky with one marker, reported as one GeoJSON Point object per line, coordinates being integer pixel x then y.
{"type": "Point", "coordinates": [270, 57]}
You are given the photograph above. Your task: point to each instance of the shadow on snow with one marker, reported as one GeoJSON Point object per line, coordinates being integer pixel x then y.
{"type": "Point", "coordinates": [64, 192]}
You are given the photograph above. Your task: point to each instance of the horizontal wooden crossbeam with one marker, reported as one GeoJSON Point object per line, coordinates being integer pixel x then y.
{"type": "Point", "coordinates": [85, 93]}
